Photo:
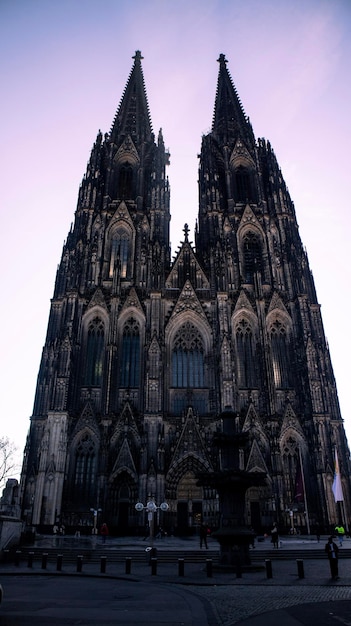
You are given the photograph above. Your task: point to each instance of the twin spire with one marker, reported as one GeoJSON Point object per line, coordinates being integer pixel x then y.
{"type": "Point", "coordinates": [133, 116]}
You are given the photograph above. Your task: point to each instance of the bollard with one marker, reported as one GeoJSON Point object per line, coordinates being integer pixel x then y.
{"type": "Point", "coordinates": [153, 567]}
{"type": "Point", "coordinates": [152, 553]}
{"type": "Point", "coordinates": [103, 565]}
{"type": "Point", "coordinates": [269, 568]}
{"type": "Point", "coordinates": [6, 554]}
{"type": "Point", "coordinates": [128, 565]}
{"type": "Point", "coordinates": [79, 563]}
{"type": "Point", "coordinates": [17, 557]}
{"type": "Point", "coordinates": [44, 560]}
{"type": "Point", "coordinates": [59, 562]}
{"type": "Point", "coordinates": [30, 559]}
{"type": "Point", "coordinates": [209, 568]}
{"type": "Point", "coordinates": [180, 567]}
{"type": "Point", "coordinates": [300, 570]}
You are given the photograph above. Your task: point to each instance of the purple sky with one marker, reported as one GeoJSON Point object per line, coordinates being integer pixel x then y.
{"type": "Point", "coordinates": [64, 66]}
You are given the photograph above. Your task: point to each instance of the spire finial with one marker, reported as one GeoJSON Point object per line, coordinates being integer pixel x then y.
{"type": "Point", "coordinates": [222, 60]}
{"type": "Point", "coordinates": [137, 56]}
{"type": "Point", "coordinates": [186, 232]}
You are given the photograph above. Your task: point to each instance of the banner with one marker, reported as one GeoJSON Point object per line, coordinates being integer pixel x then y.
{"type": "Point", "coordinates": [299, 495]}
{"type": "Point", "coordinates": [337, 487]}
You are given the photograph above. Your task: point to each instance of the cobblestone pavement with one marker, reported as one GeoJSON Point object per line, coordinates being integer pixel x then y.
{"type": "Point", "coordinates": [232, 604]}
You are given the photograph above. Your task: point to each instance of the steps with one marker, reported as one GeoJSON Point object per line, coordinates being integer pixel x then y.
{"type": "Point", "coordinates": [113, 556]}
{"type": "Point", "coordinates": [164, 555]}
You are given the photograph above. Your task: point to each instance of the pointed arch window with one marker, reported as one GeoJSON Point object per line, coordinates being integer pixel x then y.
{"type": "Point", "coordinates": [94, 353]}
{"type": "Point", "coordinates": [243, 185]}
{"type": "Point", "coordinates": [130, 364]}
{"type": "Point", "coordinates": [280, 355]}
{"type": "Point", "coordinates": [252, 256]}
{"type": "Point", "coordinates": [245, 355]}
{"type": "Point", "coordinates": [188, 358]}
{"type": "Point", "coordinates": [125, 181]}
{"type": "Point", "coordinates": [120, 251]}
{"type": "Point", "coordinates": [85, 469]}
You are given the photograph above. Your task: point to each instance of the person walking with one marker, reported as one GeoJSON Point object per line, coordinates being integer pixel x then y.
{"type": "Point", "coordinates": [203, 535]}
{"type": "Point", "coordinates": [275, 536]}
{"type": "Point", "coordinates": [340, 531]}
{"type": "Point", "coordinates": [332, 552]}
{"type": "Point", "coordinates": [104, 532]}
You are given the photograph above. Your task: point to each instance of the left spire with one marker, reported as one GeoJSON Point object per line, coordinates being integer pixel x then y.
{"type": "Point", "coordinates": [133, 117]}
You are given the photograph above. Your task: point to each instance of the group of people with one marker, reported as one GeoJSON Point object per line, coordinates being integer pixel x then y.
{"type": "Point", "coordinates": [331, 547]}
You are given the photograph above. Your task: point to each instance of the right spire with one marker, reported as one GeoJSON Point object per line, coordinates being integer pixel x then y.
{"type": "Point", "coordinates": [229, 119]}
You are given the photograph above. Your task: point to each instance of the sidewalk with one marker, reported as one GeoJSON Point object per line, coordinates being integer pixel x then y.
{"type": "Point", "coordinates": [221, 598]}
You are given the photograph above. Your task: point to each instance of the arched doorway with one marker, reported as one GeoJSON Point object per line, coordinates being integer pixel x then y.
{"type": "Point", "coordinates": [189, 503]}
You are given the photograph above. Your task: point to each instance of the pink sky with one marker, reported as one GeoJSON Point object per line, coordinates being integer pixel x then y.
{"type": "Point", "coordinates": [64, 66]}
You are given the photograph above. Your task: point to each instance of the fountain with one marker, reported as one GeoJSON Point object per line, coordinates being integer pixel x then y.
{"type": "Point", "coordinates": [232, 482]}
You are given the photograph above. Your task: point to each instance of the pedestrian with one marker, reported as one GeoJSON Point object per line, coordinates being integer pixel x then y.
{"type": "Point", "coordinates": [203, 535]}
{"type": "Point", "coordinates": [275, 536]}
{"type": "Point", "coordinates": [104, 532]}
{"type": "Point", "coordinates": [332, 552]}
{"type": "Point", "coordinates": [340, 531]}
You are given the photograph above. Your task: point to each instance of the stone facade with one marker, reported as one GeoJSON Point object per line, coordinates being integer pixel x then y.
{"type": "Point", "coordinates": [144, 354]}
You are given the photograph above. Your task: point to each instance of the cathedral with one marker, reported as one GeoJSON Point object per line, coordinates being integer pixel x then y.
{"type": "Point", "coordinates": [145, 354]}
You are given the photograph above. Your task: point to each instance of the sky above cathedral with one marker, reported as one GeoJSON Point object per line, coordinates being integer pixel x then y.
{"type": "Point", "coordinates": [64, 66]}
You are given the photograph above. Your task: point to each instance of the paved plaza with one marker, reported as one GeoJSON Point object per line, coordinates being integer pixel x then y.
{"type": "Point", "coordinates": [33, 596]}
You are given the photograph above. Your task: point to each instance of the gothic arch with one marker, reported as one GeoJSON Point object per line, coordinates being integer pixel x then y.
{"type": "Point", "coordinates": [188, 341]}
{"type": "Point", "coordinates": [122, 495]}
{"type": "Point", "coordinates": [95, 325]}
{"type": "Point", "coordinates": [188, 464]}
{"type": "Point", "coordinates": [245, 333]}
{"type": "Point", "coordinates": [279, 331]}
{"type": "Point", "coordinates": [196, 320]}
{"type": "Point", "coordinates": [84, 456]}
{"type": "Point", "coordinates": [120, 249]}
{"type": "Point", "coordinates": [294, 456]}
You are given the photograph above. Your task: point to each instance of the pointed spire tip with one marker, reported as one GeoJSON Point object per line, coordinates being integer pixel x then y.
{"type": "Point", "coordinates": [138, 56]}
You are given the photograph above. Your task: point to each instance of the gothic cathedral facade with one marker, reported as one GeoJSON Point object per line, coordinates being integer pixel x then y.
{"type": "Point", "coordinates": [145, 353]}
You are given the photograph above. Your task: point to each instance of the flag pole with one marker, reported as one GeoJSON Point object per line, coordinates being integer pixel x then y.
{"type": "Point", "coordinates": [304, 494]}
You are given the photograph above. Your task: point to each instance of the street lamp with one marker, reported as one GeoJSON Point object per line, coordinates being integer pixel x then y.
{"type": "Point", "coordinates": [95, 514]}
{"type": "Point", "coordinates": [151, 508]}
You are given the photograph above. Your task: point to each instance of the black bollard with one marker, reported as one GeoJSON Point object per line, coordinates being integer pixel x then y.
{"type": "Point", "coordinates": [128, 565]}
{"type": "Point", "coordinates": [44, 560]}
{"type": "Point", "coordinates": [79, 563]}
{"type": "Point", "coordinates": [153, 567]}
{"type": "Point", "coordinates": [180, 567]}
{"type": "Point", "coordinates": [269, 568]}
{"type": "Point", "coordinates": [59, 562]}
{"type": "Point", "coordinates": [209, 568]}
{"type": "Point", "coordinates": [17, 557]}
{"type": "Point", "coordinates": [30, 559]}
{"type": "Point", "coordinates": [300, 570]}
{"type": "Point", "coordinates": [6, 554]}
{"type": "Point", "coordinates": [103, 564]}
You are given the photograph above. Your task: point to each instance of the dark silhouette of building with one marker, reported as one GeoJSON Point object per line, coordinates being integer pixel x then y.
{"type": "Point", "coordinates": [144, 354]}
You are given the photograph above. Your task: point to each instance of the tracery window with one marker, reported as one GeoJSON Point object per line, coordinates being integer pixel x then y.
{"type": "Point", "coordinates": [245, 355]}
{"type": "Point", "coordinates": [280, 355]}
{"type": "Point", "coordinates": [130, 363]}
{"type": "Point", "coordinates": [252, 256]}
{"type": "Point", "coordinates": [188, 358]}
{"type": "Point", "coordinates": [94, 353]}
{"type": "Point", "coordinates": [85, 468]}
{"type": "Point", "coordinates": [243, 184]}
{"type": "Point", "coordinates": [125, 181]}
{"type": "Point", "coordinates": [120, 249]}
